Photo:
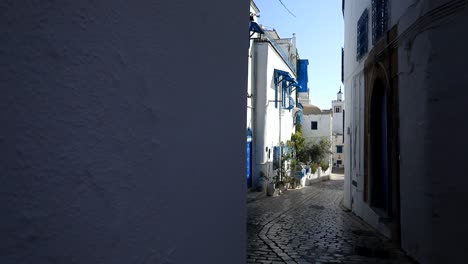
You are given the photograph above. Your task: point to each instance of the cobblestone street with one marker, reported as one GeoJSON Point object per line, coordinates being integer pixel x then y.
{"type": "Point", "coordinates": [308, 225]}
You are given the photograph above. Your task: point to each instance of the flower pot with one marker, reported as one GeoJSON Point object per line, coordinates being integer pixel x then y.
{"type": "Point", "coordinates": [261, 184]}
{"type": "Point", "coordinates": [303, 181]}
{"type": "Point", "coordinates": [270, 189]}
{"type": "Point", "coordinates": [293, 185]}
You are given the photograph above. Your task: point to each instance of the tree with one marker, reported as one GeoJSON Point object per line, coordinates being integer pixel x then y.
{"type": "Point", "coordinates": [316, 152]}
{"type": "Point", "coordinates": [298, 143]}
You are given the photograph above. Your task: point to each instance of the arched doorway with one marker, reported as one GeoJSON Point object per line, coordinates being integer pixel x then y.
{"type": "Point", "coordinates": [380, 180]}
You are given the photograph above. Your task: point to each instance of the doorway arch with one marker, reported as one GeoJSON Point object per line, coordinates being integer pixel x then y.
{"type": "Point", "coordinates": [379, 125]}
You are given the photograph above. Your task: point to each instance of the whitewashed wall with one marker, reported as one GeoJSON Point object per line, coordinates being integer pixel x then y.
{"type": "Point", "coordinates": [267, 116]}
{"type": "Point", "coordinates": [324, 127]}
{"type": "Point", "coordinates": [337, 140]}
{"type": "Point", "coordinates": [430, 82]}
{"type": "Point", "coordinates": [103, 114]}
{"type": "Point", "coordinates": [338, 117]}
{"type": "Point", "coordinates": [324, 130]}
{"type": "Point", "coordinates": [354, 87]}
{"type": "Point", "coordinates": [433, 91]}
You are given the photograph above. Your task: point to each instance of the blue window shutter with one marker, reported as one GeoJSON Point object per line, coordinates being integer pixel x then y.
{"type": "Point", "coordinates": [276, 157]}
{"type": "Point", "coordinates": [339, 149]}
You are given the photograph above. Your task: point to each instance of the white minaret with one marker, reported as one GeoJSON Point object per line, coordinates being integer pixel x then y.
{"type": "Point", "coordinates": [338, 108]}
{"type": "Point", "coordinates": [339, 95]}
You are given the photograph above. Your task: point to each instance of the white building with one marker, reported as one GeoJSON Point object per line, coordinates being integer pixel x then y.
{"type": "Point", "coordinates": [317, 125]}
{"type": "Point", "coordinates": [403, 72]}
{"type": "Point", "coordinates": [255, 32]}
{"type": "Point", "coordinates": [271, 99]}
{"type": "Point", "coordinates": [338, 158]}
{"type": "Point", "coordinates": [338, 108]}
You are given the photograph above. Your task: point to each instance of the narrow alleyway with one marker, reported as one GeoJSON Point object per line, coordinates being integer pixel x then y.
{"type": "Point", "coordinates": [309, 226]}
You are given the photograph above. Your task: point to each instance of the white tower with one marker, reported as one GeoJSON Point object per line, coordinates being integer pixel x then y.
{"type": "Point", "coordinates": [338, 110]}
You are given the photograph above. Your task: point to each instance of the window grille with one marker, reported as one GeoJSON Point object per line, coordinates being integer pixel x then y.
{"type": "Point", "coordinates": [362, 34]}
{"type": "Point", "coordinates": [379, 19]}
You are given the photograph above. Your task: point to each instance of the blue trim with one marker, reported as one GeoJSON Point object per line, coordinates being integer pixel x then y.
{"type": "Point", "coordinates": [249, 158]}
{"type": "Point", "coordinates": [254, 27]}
{"type": "Point", "coordinates": [284, 79]}
{"type": "Point", "coordinates": [302, 75]}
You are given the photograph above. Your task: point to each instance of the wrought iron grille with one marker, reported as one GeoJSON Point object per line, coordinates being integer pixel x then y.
{"type": "Point", "coordinates": [362, 34]}
{"type": "Point", "coordinates": [379, 19]}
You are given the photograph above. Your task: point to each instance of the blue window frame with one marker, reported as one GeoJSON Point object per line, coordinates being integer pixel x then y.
{"type": "Point", "coordinates": [379, 19]}
{"type": "Point", "coordinates": [285, 83]}
{"type": "Point", "coordinates": [362, 35]}
{"type": "Point", "coordinates": [339, 149]}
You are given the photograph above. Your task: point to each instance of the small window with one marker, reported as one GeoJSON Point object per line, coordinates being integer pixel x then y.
{"type": "Point", "coordinates": [339, 149]}
{"type": "Point", "coordinates": [337, 109]}
{"type": "Point", "coordinates": [338, 162]}
{"type": "Point", "coordinates": [314, 125]}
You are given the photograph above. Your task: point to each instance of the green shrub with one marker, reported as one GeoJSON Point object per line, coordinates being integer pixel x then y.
{"type": "Point", "coordinates": [324, 165]}
{"type": "Point", "coordinates": [313, 168]}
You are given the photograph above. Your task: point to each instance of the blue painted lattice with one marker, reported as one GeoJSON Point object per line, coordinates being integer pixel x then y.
{"type": "Point", "coordinates": [379, 19]}
{"type": "Point", "coordinates": [362, 35]}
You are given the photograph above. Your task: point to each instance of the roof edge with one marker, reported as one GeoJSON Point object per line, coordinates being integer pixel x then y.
{"type": "Point", "coordinates": [255, 7]}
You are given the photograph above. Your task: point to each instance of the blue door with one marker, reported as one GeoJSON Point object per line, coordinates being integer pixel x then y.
{"type": "Point", "coordinates": [249, 158]}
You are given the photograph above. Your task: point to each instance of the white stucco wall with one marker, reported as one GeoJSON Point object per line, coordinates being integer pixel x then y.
{"type": "Point", "coordinates": [267, 116]}
{"type": "Point", "coordinates": [354, 87]}
{"type": "Point", "coordinates": [324, 130]}
{"type": "Point", "coordinates": [324, 127]}
{"type": "Point", "coordinates": [338, 117]}
{"type": "Point", "coordinates": [106, 113]}
{"type": "Point", "coordinates": [431, 75]}
{"type": "Point", "coordinates": [337, 140]}
{"type": "Point", "coordinates": [431, 94]}
{"type": "Point", "coordinates": [303, 98]}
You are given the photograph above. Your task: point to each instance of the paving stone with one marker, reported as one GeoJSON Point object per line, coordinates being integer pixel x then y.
{"type": "Point", "coordinates": [308, 226]}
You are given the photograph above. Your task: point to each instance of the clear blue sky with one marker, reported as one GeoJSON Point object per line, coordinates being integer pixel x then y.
{"type": "Point", "coordinates": [319, 37]}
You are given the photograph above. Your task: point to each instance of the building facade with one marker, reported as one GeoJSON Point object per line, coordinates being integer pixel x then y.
{"type": "Point", "coordinates": [272, 93]}
{"type": "Point", "coordinates": [317, 125]}
{"type": "Point", "coordinates": [402, 77]}
{"type": "Point", "coordinates": [338, 158]}
{"type": "Point", "coordinates": [338, 109]}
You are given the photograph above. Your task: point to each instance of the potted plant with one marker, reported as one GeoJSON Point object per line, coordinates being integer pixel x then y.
{"type": "Point", "coordinates": [287, 181]}
{"type": "Point", "coordinates": [280, 185]}
{"type": "Point", "coordinates": [270, 184]}
{"type": "Point", "coordinates": [302, 180]}
{"type": "Point", "coordinates": [265, 182]}
{"type": "Point", "coordinates": [262, 182]}
{"type": "Point", "coordinates": [294, 182]}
